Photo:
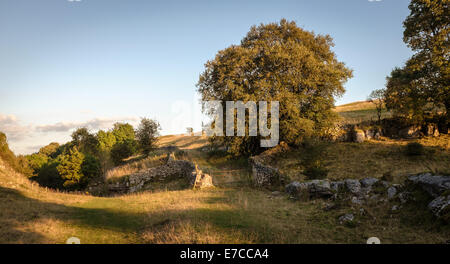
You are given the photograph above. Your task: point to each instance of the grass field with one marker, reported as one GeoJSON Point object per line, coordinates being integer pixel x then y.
{"type": "Point", "coordinates": [357, 112]}
{"type": "Point", "coordinates": [233, 211]}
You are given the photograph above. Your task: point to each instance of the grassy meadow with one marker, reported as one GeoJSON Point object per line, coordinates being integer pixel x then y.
{"type": "Point", "coordinates": [233, 211]}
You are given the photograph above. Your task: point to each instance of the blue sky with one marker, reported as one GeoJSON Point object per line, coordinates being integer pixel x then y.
{"type": "Point", "coordinates": [68, 64]}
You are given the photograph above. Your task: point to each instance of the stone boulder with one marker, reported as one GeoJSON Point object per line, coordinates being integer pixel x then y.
{"type": "Point", "coordinates": [368, 182]}
{"type": "Point", "coordinates": [313, 189]}
{"type": "Point", "coordinates": [319, 188]}
{"type": "Point", "coordinates": [295, 188]}
{"type": "Point", "coordinates": [410, 132]}
{"type": "Point", "coordinates": [434, 185]}
{"type": "Point", "coordinates": [440, 205]}
{"type": "Point", "coordinates": [354, 186]}
{"type": "Point", "coordinates": [347, 218]}
{"type": "Point", "coordinates": [359, 136]}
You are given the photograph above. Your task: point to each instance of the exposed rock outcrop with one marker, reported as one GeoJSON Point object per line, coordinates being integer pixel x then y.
{"type": "Point", "coordinates": [435, 185]}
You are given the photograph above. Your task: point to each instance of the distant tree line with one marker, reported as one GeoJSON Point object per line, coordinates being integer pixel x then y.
{"type": "Point", "coordinates": [86, 157]}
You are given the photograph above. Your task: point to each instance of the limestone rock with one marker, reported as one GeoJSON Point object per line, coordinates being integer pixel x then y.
{"type": "Point", "coordinates": [337, 185]}
{"type": "Point", "coordinates": [438, 205]}
{"type": "Point", "coordinates": [354, 186]}
{"type": "Point", "coordinates": [368, 182]}
{"type": "Point", "coordinates": [434, 185]}
{"type": "Point", "coordinates": [319, 188]}
{"type": "Point", "coordinates": [391, 192]}
{"type": "Point", "coordinates": [346, 218]}
{"type": "Point", "coordinates": [359, 136]}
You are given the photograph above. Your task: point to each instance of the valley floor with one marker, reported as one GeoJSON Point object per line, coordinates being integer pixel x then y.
{"type": "Point", "coordinates": [230, 213]}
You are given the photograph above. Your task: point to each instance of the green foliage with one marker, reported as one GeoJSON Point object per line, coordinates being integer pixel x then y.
{"type": "Point", "coordinates": [377, 97]}
{"type": "Point", "coordinates": [52, 150]}
{"type": "Point", "coordinates": [48, 175]}
{"type": "Point", "coordinates": [423, 84]}
{"type": "Point", "coordinates": [414, 149]}
{"type": "Point", "coordinates": [70, 169]}
{"type": "Point", "coordinates": [85, 141]}
{"type": "Point", "coordinates": [36, 161]}
{"type": "Point", "coordinates": [278, 62]}
{"type": "Point", "coordinates": [147, 134]}
{"type": "Point", "coordinates": [123, 132]}
{"type": "Point", "coordinates": [106, 140]}
{"type": "Point", "coordinates": [18, 164]}
{"type": "Point", "coordinates": [121, 151]}
{"type": "Point", "coordinates": [91, 167]}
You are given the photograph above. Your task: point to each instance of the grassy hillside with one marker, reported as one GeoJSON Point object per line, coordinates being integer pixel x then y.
{"type": "Point", "coordinates": [30, 214]}
{"type": "Point", "coordinates": [357, 112]}
{"type": "Point", "coordinates": [233, 212]}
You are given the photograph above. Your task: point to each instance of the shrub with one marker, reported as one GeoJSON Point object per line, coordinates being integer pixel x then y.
{"type": "Point", "coordinates": [123, 150]}
{"type": "Point", "coordinates": [313, 173]}
{"type": "Point", "coordinates": [414, 149]}
{"type": "Point", "coordinates": [313, 159]}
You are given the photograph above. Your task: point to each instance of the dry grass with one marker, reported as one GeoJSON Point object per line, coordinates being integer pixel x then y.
{"type": "Point", "coordinates": [230, 213]}
{"type": "Point", "coordinates": [118, 172]}
{"type": "Point", "coordinates": [358, 112]}
{"type": "Point", "coordinates": [183, 142]}
{"type": "Point", "coordinates": [31, 214]}
{"type": "Point", "coordinates": [373, 159]}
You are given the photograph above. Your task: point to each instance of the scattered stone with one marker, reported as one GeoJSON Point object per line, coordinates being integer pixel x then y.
{"type": "Point", "coordinates": [356, 200]}
{"type": "Point", "coordinates": [438, 205]}
{"type": "Point", "coordinates": [276, 193]}
{"type": "Point", "coordinates": [329, 206]}
{"type": "Point", "coordinates": [409, 132]}
{"type": "Point", "coordinates": [434, 185]}
{"type": "Point", "coordinates": [391, 192]}
{"type": "Point", "coordinates": [368, 182]}
{"type": "Point", "coordinates": [319, 188]}
{"type": "Point", "coordinates": [362, 211]}
{"type": "Point", "coordinates": [337, 185]}
{"type": "Point", "coordinates": [353, 186]}
{"type": "Point", "coordinates": [386, 184]}
{"type": "Point", "coordinates": [395, 208]}
{"type": "Point", "coordinates": [295, 188]}
{"type": "Point", "coordinates": [346, 218]}
{"type": "Point", "coordinates": [359, 136]}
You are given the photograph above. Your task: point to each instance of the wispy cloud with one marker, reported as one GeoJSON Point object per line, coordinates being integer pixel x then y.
{"type": "Point", "coordinates": [14, 130]}
{"type": "Point", "coordinates": [94, 124]}
{"type": "Point", "coordinates": [375, 0]}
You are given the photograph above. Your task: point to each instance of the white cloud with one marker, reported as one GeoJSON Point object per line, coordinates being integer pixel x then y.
{"type": "Point", "coordinates": [375, 0]}
{"type": "Point", "coordinates": [25, 139]}
{"type": "Point", "coordinates": [10, 125]}
{"type": "Point", "coordinates": [94, 124]}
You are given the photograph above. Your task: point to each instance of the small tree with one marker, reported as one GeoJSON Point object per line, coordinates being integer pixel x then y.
{"type": "Point", "coordinates": [190, 131]}
{"type": "Point", "coordinates": [377, 98]}
{"type": "Point", "coordinates": [147, 134]}
{"type": "Point", "coordinates": [70, 168]}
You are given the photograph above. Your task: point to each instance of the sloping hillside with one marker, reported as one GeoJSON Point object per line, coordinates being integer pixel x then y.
{"type": "Point", "coordinates": [357, 112]}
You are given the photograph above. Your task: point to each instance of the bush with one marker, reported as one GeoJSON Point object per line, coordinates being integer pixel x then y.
{"type": "Point", "coordinates": [414, 149]}
{"type": "Point", "coordinates": [121, 151]}
{"type": "Point", "coordinates": [316, 173]}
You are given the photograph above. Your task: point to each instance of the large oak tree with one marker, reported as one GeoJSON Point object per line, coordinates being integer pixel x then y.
{"type": "Point", "coordinates": [278, 62]}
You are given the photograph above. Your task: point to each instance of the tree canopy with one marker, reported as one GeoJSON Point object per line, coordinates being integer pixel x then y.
{"type": "Point", "coordinates": [423, 84]}
{"type": "Point", "coordinates": [278, 62]}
